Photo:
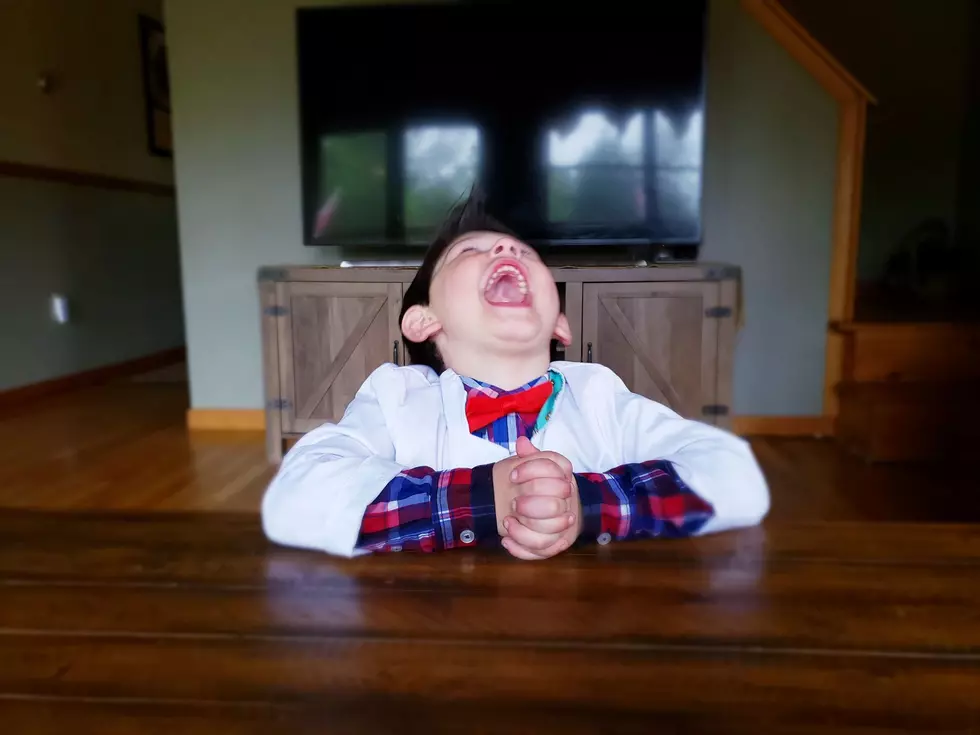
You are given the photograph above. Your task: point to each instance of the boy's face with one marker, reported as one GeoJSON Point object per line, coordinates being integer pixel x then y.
{"type": "Point", "coordinates": [490, 293]}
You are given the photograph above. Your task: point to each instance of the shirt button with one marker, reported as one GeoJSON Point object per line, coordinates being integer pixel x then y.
{"type": "Point", "coordinates": [396, 547]}
{"type": "Point", "coordinates": [467, 536]}
{"type": "Point", "coordinates": [603, 538]}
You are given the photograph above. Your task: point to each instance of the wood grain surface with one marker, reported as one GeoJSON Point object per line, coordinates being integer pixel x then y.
{"type": "Point", "coordinates": [146, 623]}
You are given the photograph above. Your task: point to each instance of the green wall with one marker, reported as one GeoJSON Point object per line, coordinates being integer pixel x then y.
{"type": "Point", "coordinates": [113, 253]}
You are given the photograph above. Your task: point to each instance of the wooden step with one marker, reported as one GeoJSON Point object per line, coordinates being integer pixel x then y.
{"type": "Point", "coordinates": [891, 421]}
{"type": "Point", "coordinates": [930, 352]}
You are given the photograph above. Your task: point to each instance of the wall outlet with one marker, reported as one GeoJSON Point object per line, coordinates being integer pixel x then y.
{"type": "Point", "coordinates": [60, 312]}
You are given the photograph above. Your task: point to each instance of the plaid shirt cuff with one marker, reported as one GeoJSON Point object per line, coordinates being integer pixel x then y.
{"type": "Point", "coordinates": [642, 499]}
{"type": "Point", "coordinates": [423, 509]}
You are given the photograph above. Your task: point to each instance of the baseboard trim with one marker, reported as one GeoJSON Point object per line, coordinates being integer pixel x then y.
{"type": "Point", "coordinates": [253, 419]}
{"type": "Point", "coordinates": [783, 425]}
{"type": "Point", "coordinates": [226, 419]}
{"type": "Point", "coordinates": [96, 376]}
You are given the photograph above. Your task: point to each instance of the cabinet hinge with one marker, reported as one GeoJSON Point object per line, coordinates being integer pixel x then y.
{"type": "Point", "coordinates": [275, 311]}
{"type": "Point", "coordinates": [718, 312]}
{"type": "Point", "coordinates": [724, 273]}
{"type": "Point", "coordinates": [271, 274]}
{"type": "Point", "coordinates": [279, 404]}
{"type": "Point", "coordinates": [714, 409]}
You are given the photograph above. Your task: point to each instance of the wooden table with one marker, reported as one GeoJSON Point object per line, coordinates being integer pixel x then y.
{"type": "Point", "coordinates": [194, 624]}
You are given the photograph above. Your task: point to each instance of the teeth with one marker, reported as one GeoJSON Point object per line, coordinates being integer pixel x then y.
{"type": "Point", "coordinates": [507, 270]}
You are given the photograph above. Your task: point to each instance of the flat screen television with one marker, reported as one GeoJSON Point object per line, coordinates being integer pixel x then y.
{"type": "Point", "coordinates": [581, 124]}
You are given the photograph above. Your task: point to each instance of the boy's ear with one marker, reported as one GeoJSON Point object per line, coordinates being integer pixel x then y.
{"type": "Point", "coordinates": [563, 333]}
{"type": "Point", "coordinates": [419, 323]}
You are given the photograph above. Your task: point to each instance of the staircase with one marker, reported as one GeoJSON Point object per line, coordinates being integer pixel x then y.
{"type": "Point", "coordinates": [910, 391]}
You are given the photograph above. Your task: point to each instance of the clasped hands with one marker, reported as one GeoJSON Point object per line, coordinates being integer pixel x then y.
{"type": "Point", "coordinates": [537, 502]}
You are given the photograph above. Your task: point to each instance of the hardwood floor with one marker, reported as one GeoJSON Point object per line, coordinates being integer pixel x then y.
{"type": "Point", "coordinates": [124, 446]}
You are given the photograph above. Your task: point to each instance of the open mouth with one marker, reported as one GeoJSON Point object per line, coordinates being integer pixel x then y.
{"type": "Point", "coordinates": [507, 286]}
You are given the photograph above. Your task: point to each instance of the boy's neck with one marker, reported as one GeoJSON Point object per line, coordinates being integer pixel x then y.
{"type": "Point", "coordinates": [506, 374]}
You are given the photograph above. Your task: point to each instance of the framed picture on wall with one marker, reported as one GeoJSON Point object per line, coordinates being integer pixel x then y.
{"type": "Point", "coordinates": [156, 86]}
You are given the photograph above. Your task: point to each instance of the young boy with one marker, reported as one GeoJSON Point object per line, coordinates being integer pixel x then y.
{"type": "Point", "coordinates": [484, 441]}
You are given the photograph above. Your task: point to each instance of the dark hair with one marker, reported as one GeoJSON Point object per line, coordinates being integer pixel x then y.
{"type": "Point", "coordinates": [467, 215]}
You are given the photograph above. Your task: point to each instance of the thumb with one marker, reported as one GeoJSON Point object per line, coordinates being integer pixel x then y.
{"type": "Point", "coordinates": [524, 447]}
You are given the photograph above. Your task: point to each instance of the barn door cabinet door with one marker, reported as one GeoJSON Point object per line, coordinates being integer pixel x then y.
{"type": "Point", "coordinates": [661, 339]}
{"type": "Point", "coordinates": [332, 336]}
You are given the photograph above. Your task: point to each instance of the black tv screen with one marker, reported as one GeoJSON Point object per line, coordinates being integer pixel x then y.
{"type": "Point", "coordinates": [581, 124]}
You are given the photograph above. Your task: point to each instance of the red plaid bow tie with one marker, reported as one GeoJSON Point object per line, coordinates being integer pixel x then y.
{"type": "Point", "coordinates": [482, 410]}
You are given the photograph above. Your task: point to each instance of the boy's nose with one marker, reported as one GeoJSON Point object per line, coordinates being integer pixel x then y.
{"type": "Point", "coordinates": [506, 246]}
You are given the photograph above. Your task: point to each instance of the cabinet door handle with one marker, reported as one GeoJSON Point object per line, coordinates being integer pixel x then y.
{"type": "Point", "coordinates": [588, 352]}
{"type": "Point", "coordinates": [394, 352]}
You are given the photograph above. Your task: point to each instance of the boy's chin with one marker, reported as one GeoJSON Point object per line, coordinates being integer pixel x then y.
{"type": "Point", "coordinates": [519, 337]}
{"type": "Point", "coordinates": [508, 307]}
{"type": "Point", "coordinates": [521, 323]}
{"type": "Point", "coordinates": [510, 312]}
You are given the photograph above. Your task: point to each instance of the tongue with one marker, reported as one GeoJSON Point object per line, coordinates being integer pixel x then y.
{"type": "Point", "coordinates": [506, 290]}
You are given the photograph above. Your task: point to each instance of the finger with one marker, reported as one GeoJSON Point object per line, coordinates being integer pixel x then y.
{"type": "Point", "coordinates": [550, 486]}
{"type": "Point", "coordinates": [515, 549]}
{"type": "Point", "coordinates": [527, 538]}
{"type": "Point", "coordinates": [559, 460]}
{"type": "Point", "coordinates": [540, 507]}
{"type": "Point", "coordinates": [521, 552]}
{"type": "Point", "coordinates": [534, 468]}
{"type": "Point", "coordinates": [558, 524]}
{"type": "Point", "coordinates": [524, 447]}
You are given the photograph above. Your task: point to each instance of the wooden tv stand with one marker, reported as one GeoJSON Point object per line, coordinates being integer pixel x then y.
{"type": "Point", "coordinates": [667, 330]}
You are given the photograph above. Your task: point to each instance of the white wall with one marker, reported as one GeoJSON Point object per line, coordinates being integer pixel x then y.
{"type": "Point", "coordinates": [770, 164]}
{"type": "Point", "coordinates": [770, 152]}
{"type": "Point", "coordinates": [236, 136]}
